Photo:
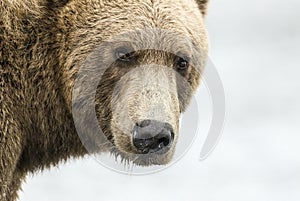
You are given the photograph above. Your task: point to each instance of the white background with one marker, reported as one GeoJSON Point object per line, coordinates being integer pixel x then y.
{"type": "Point", "coordinates": [255, 46]}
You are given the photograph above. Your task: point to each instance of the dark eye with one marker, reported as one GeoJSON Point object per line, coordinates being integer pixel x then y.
{"type": "Point", "coordinates": [182, 64]}
{"type": "Point", "coordinates": [124, 55]}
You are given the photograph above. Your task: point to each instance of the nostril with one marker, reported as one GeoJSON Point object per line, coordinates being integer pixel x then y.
{"type": "Point", "coordinates": [165, 139]}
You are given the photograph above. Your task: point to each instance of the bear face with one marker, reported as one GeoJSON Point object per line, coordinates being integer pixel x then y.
{"type": "Point", "coordinates": [96, 76]}
{"type": "Point", "coordinates": [147, 59]}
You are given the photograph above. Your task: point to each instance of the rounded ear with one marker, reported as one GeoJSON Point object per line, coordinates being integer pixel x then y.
{"type": "Point", "coordinates": [202, 5]}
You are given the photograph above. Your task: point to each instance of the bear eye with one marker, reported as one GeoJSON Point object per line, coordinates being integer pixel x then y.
{"type": "Point", "coordinates": [124, 55]}
{"type": "Point", "coordinates": [182, 63]}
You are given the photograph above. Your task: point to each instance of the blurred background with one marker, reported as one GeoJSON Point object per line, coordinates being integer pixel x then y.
{"type": "Point", "coordinates": [255, 46]}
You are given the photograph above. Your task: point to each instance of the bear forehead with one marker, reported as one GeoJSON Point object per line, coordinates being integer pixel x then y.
{"type": "Point", "coordinates": [120, 16]}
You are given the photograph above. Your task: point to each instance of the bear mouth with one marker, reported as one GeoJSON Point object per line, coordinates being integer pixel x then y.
{"type": "Point", "coordinates": [161, 157]}
{"type": "Point", "coordinates": [145, 160]}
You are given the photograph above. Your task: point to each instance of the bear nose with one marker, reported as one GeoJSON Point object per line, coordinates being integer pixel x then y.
{"type": "Point", "coordinates": [151, 136]}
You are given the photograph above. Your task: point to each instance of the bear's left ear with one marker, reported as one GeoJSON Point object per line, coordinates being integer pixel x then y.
{"type": "Point", "coordinates": [202, 5]}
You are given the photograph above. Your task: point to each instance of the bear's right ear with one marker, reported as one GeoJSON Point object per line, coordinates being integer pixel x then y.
{"type": "Point", "coordinates": [56, 3]}
{"type": "Point", "coordinates": [202, 5]}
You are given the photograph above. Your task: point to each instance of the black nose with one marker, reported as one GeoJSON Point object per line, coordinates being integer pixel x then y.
{"type": "Point", "coordinates": [151, 136]}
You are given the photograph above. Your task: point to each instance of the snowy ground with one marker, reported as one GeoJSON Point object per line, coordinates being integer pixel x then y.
{"type": "Point", "coordinates": [255, 46]}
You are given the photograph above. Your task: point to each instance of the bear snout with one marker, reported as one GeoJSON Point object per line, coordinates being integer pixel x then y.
{"type": "Point", "coordinates": [151, 136]}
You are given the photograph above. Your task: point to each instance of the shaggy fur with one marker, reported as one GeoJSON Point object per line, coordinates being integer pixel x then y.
{"type": "Point", "coordinates": [42, 45]}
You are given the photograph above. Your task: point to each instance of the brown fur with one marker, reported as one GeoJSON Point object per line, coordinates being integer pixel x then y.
{"type": "Point", "coordinates": [42, 45]}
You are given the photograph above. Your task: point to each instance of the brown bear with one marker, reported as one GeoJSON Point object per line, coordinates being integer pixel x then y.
{"type": "Point", "coordinates": [138, 100]}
